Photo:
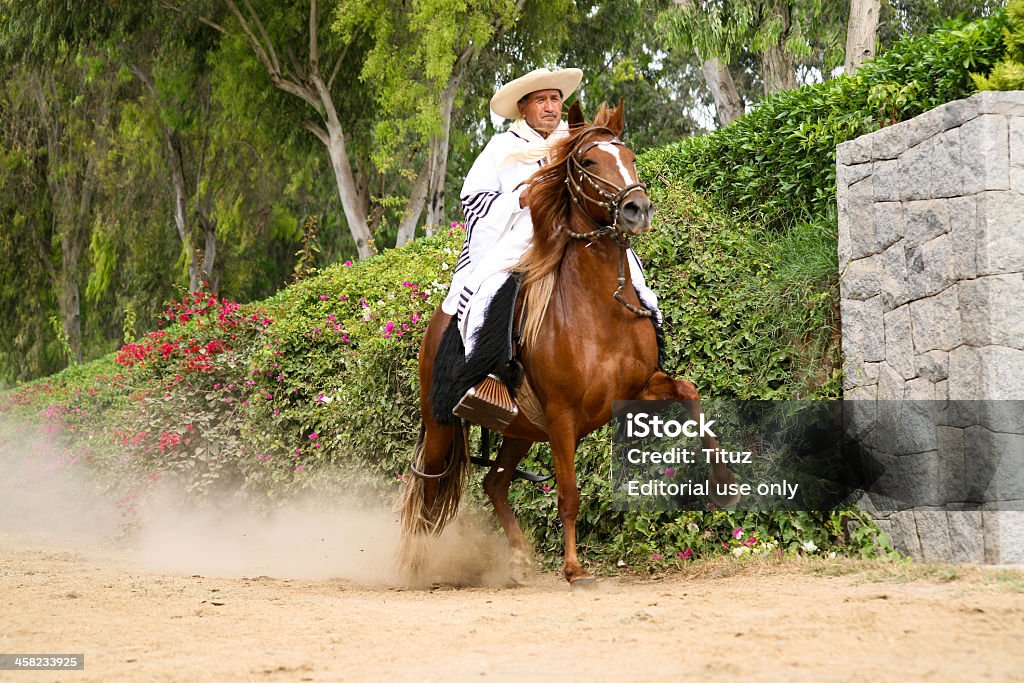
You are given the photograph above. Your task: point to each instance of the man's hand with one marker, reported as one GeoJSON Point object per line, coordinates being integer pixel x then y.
{"type": "Point", "coordinates": [524, 197]}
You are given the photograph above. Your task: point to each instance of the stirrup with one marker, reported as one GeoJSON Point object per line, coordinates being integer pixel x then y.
{"type": "Point", "coordinates": [488, 404]}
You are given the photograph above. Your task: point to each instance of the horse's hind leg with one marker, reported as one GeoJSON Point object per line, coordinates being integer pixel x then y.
{"type": "Point", "coordinates": [496, 484]}
{"type": "Point", "coordinates": [428, 503]}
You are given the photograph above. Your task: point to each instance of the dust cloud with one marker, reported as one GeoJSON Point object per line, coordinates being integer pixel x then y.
{"type": "Point", "coordinates": [48, 494]}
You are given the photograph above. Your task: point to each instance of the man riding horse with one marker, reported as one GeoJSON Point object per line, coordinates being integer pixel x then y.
{"type": "Point", "coordinates": [495, 199]}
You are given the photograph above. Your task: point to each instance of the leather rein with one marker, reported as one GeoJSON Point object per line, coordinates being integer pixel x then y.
{"type": "Point", "coordinates": [613, 197]}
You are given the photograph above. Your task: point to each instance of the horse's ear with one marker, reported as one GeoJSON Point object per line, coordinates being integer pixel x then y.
{"type": "Point", "coordinates": [576, 118]}
{"type": "Point", "coordinates": [615, 123]}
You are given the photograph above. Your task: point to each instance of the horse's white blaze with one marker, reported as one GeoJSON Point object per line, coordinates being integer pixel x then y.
{"type": "Point", "coordinates": [616, 152]}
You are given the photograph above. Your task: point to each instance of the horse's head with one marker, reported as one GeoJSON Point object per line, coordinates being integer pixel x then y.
{"type": "Point", "coordinates": [601, 173]}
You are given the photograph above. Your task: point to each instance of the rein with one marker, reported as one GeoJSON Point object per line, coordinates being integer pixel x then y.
{"type": "Point", "coordinates": [613, 197]}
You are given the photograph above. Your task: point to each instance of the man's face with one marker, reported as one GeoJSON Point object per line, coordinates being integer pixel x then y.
{"type": "Point", "coordinates": [542, 110]}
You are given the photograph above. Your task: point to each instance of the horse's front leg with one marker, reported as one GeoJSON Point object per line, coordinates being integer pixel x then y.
{"type": "Point", "coordinates": [661, 387]}
{"type": "Point", "coordinates": [722, 477]}
{"type": "Point", "coordinates": [563, 451]}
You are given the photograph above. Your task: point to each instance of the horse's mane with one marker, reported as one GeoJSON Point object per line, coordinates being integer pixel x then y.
{"type": "Point", "coordinates": [550, 208]}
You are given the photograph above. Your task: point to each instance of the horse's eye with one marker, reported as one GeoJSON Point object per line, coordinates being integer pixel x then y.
{"type": "Point", "coordinates": [588, 163]}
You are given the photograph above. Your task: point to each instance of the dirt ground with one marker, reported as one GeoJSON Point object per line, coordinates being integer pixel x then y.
{"type": "Point", "coordinates": [718, 621]}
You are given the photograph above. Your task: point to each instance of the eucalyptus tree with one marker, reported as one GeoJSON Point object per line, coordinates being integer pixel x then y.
{"type": "Point", "coordinates": [781, 34]}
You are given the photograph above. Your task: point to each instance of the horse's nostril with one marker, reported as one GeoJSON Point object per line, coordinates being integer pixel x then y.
{"type": "Point", "coordinates": [636, 210]}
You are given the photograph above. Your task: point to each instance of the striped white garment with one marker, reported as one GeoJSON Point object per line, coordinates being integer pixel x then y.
{"type": "Point", "coordinates": [490, 202]}
{"type": "Point", "coordinates": [498, 231]}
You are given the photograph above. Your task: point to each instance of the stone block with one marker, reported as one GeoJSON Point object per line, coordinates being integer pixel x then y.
{"type": "Point", "coordinates": [942, 390]}
{"type": "Point", "coordinates": [904, 533]}
{"type": "Point", "coordinates": [1017, 154]}
{"type": "Point", "coordinates": [955, 114]}
{"type": "Point", "coordinates": [848, 175]}
{"type": "Point", "coordinates": [899, 342]}
{"type": "Point", "coordinates": [852, 152]}
{"type": "Point", "coordinates": [1017, 142]}
{"type": "Point", "coordinates": [867, 393]}
{"type": "Point", "coordinates": [966, 536]}
{"type": "Point", "coordinates": [861, 218]}
{"type": "Point", "coordinates": [925, 220]}
{"type": "Point", "coordinates": [1006, 531]}
{"type": "Point", "coordinates": [891, 384]}
{"type": "Point", "coordinates": [952, 465]}
{"type": "Point", "coordinates": [946, 170]}
{"type": "Point", "coordinates": [895, 285]}
{"type": "Point", "coordinates": [992, 311]}
{"type": "Point", "coordinates": [861, 279]}
{"type": "Point", "coordinates": [963, 230]}
{"type": "Point", "coordinates": [889, 142]}
{"type": "Point", "coordinates": [859, 374]}
{"type": "Point", "coordinates": [919, 389]}
{"type": "Point", "coordinates": [933, 530]}
{"type": "Point", "coordinates": [1000, 239]}
{"type": "Point", "coordinates": [914, 174]}
{"type": "Point", "coordinates": [890, 224]}
{"type": "Point", "coordinates": [932, 366]}
{"type": "Point", "coordinates": [990, 373]}
{"type": "Point", "coordinates": [936, 321]}
{"type": "Point", "coordinates": [863, 336]}
{"type": "Point", "coordinates": [931, 267]}
{"type": "Point", "coordinates": [890, 181]}
{"type": "Point", "coordinates": [1003, 102]}
{"type": "Point", "coordinates": [986, 154]}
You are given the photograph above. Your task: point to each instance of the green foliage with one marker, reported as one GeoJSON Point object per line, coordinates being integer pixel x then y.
{"type": "Point", "coordinates": [776, 165]}
{"type": "Point", "coordinates": [1008, 73]}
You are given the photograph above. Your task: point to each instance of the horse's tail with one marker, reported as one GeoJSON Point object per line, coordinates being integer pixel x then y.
{"type": "Point", "coordinates": [423, 515]}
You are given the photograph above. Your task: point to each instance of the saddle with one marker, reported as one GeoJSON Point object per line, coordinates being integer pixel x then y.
{"type": "Point", "coordinates": [496, 400]}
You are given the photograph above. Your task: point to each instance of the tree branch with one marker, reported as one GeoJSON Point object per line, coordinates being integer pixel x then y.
{"type": "Point", "coordinates": [263, 32]}
{"type": "Point", "coordinates": [316, 130]}
{"type": "Point", "coordinates": [314, 54]}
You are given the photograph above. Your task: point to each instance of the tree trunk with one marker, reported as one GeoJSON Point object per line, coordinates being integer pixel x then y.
{"type": "Point", "coordinates": [439, 146]}
{"type": "Point", "coordinates": [210, 254]}
{"type": "Point", "coordinates": [407, 229]}
{"type": "Point", "coordinates": [777, 69]}
{"type": "Point", "coordinates": [728, 103]}
{"type": "Point", "coordinates": [350, 202]}
{"type": "Point", "coordinates": [177, 167]}
{"type": "Point", "coordinates": [861, 33]}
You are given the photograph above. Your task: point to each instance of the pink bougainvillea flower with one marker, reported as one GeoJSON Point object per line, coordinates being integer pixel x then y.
{"type": "Point", "coordinates": [656, 556]}
{"type": "Point", "coordinates": [314, 436]}
{"type": "Point", "coordinates": [348, 264]}
{"type": "Point", "coordinates": [737, 533]}
{"type": "Point", "coordinates": [687, 554]}
{"type": "Point", "coordinates": [324, 297]}
{"type": "Point", "coordinates": [669, 472]}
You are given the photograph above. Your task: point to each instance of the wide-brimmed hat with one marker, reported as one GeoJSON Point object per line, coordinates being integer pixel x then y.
{"type": "Point", "coordinates": [504, 101]}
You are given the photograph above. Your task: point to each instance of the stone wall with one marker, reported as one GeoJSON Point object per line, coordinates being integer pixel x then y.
{"type": "Point", "coordinates": [931, 257]}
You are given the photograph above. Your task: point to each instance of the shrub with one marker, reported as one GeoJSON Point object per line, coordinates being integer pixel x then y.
{"type": "Point", "coordinates": [1008, 73]}
{"type": "Point", "coordinates": [776, 165]}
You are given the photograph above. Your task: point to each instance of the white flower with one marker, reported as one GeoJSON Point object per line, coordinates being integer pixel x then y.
{"type": "Point", "coordinates": [832, 555]}
{"type": "Point", "coordinates": [809, 546]}
{"type": "Point", "coordinates": [692, 527]}
{"type": "Point", "coordinates": [444, 265]}
{"type": "Point", "coordinates": [740, 551]}
{"type": "Point", "coordinates": [367, 314]}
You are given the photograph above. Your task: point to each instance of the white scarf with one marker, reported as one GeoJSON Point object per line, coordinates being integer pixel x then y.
{"type": "Point", "coordinates": [538, 148]}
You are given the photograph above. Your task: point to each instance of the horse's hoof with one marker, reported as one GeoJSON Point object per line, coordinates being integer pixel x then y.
{"type": "Point", "coordinates": [726, 501]}
{"type": "Point", "coordinates": [583, 584]}
{"type": "Point", "coordinates": [521, 568]}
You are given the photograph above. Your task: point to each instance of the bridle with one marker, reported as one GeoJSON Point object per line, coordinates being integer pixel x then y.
{"type": "Point", "coordinates": [613, 196]}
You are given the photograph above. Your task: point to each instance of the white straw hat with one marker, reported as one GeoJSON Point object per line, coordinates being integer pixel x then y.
{"type": "Point", "coordinates": [504, 101]}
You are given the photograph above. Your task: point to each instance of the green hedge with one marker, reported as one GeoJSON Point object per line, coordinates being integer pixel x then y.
{"type": "Point", "coordinates": [776, 165]}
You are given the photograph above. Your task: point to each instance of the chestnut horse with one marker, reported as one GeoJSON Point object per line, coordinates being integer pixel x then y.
{"type": "Point", "coordinates": [587, 340]}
